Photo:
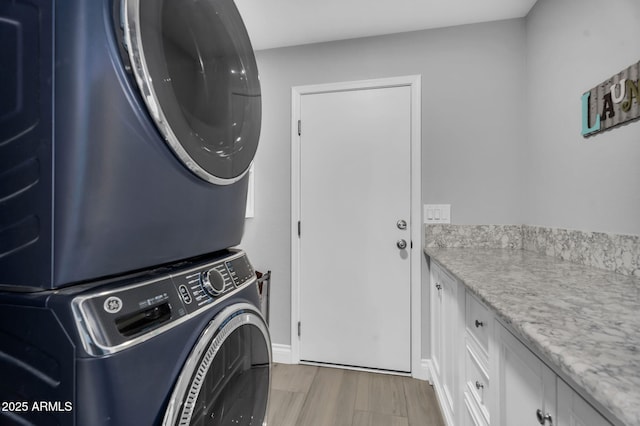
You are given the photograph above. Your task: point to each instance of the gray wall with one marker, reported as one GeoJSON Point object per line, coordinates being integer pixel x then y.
{"type": "Point", "coordinates": [500, 129]}
{"type": "Point", "coordinates": [472, 129]}
{"type": "Point", "coordinates": [588, 184]}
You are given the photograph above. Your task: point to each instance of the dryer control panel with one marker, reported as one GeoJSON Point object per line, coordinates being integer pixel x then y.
{"type": "Point", "coordinates": [126, 313]}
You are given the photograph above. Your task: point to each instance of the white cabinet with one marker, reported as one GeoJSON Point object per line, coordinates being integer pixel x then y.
{"type": "Point", "coordinates": [437, 320]}
{"type": "Point", "coordinates": [526, 386]}
{"type": "Point", "coordinates": [531, 393]}
{"type": "Point", "coordinates": [479, 321]}
{"type": "Point", "coordinates": [447, 331]}
{"type": "Point", "coordinates": [484, 375]}
{"type": "Point", "coordinates": [476, 391]}
{"type": "Point", "coordinates": [575, 411]}
{"type": "Point", "coordinates": [470, 414]}
{"type": "Point", "coordinates": [450, 341]}
{"type": "Point", "coordinates": [477, 385]}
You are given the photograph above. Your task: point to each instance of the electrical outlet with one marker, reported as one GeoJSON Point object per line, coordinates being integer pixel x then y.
{"type": "Point", "coordinates": [437, 213]}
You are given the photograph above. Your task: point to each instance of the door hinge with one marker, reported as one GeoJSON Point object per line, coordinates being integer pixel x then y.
{"type": "Point", "coordinates": [299, 325]}
{"type": "Point", "coordinates": [299, 127]}
{"type": "Point", "coordinates": [411, 244]}
{"type": "Point", "coordinates": [298, 229]}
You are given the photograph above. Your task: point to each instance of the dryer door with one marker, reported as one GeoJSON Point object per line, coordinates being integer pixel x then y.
{"type": "Point", "coordinates": [197, 73]}
{"type": "Point", "coordinates": [227, 376]}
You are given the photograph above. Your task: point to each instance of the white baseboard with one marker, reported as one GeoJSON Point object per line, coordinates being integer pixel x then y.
{"type": "Point", "coordinates": [281, 353]}
{"type": "Point", "coordinates": [422, 371]}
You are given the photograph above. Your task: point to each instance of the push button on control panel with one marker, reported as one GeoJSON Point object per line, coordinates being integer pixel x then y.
{"type": "Point", "coordinates": [184, 293]}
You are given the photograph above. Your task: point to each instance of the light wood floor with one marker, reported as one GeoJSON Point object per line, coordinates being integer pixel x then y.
{"type": "Point", "coordinates": [303, 395]}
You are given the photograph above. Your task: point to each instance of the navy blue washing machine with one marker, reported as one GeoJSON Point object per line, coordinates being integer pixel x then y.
{"type": "Point", "coordinates": [127, 129]}
{"type": "Point", "coordinates": [179, 345]}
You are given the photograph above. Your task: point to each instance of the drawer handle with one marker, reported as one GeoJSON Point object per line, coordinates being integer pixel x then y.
{"type": "Point", "coordinates": [479, 385]}
{"type": "Point", "coordinates": [479, 324]}
{"type": "Point", "coordinates": [542, 418]}
{"type": "Point", "coordinates": [438, 286]}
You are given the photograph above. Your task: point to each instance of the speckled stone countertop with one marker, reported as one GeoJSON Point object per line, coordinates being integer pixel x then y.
{"type": "Point", "coordinates": [586, 321]}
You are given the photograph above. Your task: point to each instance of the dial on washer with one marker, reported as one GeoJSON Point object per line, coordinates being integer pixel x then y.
{"type": "Point", "coordinates": [212, 282]}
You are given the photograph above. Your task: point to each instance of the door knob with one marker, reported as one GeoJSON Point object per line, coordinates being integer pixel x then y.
{"type": "Point", "coordinates": [402, 244]}
{"type": "Point", "coordinates": [402, 224]}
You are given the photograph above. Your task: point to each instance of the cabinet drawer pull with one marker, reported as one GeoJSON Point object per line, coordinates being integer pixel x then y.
{"type": "Point", "coordinates": [438, 286]}
{"type": "Point", "coordinates": [479, 385]}
{"type": "Point", "coordinates": [479, 324]}
{"type": "Point", "coordinates": [542, 418]}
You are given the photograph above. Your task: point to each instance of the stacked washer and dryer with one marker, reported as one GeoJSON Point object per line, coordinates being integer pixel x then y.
{"type": "Point", "coordinates": [127, 129]}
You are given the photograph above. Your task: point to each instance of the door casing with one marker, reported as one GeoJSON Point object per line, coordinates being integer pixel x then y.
{"type": "Point", "coordinates": [418, 370]}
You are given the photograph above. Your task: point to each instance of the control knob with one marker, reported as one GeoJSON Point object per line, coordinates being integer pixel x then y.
{"type": "Point", "coordinates": [212, 282]}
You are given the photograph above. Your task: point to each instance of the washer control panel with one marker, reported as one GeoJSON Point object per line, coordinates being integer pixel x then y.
{"type": "Point", "coordinates": [129, 312]}
{"type": "Point", "coordinates": [200, 286]}
{"type": "Point", "coordinates": [203, 286]}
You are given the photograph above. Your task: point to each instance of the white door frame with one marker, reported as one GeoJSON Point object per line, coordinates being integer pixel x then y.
{"type": "Point", "coordinates": [414, 82]}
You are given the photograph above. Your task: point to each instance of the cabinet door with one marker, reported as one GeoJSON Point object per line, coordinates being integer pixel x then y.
{"type": "Point", "coordinates": [451, 335]}
{"type": "Point", "coordinates": [437, 320]}
{"type": "Point", "coordinates": [524, 383]}
{"type": "Point", "coordinates": [573, 410]}
{"type": "Point", "coordinates": [447, 336]}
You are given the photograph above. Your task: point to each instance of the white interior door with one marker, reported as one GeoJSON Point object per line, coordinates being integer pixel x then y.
{"type": "Point", "coordinates": [355, 185]}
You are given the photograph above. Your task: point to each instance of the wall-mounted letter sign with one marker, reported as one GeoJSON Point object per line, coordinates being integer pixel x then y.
{"type": "Point", "coordinates": [613, 102]}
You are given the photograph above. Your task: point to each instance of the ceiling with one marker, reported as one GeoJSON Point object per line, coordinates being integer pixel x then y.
{"type": "Point", "coordinates": [278, 23]}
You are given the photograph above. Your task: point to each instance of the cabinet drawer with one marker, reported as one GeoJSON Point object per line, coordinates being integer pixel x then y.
{"type": "Point", "coordinates": [478, 322]}
{"type": "Point", "coordinates": [477, 382]}
{"type": "Point", "coordinates": [470, 414]}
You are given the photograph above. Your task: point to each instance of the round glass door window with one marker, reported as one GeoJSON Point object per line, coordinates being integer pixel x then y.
{"type": "Point", "coordinates": [227, 376]}
{"type": "Point", "coordinates": [197, 73]}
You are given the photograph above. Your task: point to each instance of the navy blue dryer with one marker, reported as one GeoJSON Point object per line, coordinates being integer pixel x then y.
{"type": "Point", "coordinates": [180, 345]}
{"type": "Point", "coordinates": [127, 128]}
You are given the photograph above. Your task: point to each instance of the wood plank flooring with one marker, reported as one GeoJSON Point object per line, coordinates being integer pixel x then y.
{"type": "Point", "coordinates": [303, 395]}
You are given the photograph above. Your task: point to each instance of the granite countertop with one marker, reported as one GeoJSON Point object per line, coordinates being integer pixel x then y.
{"type": "Point", "coordinates": [585, 320]}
